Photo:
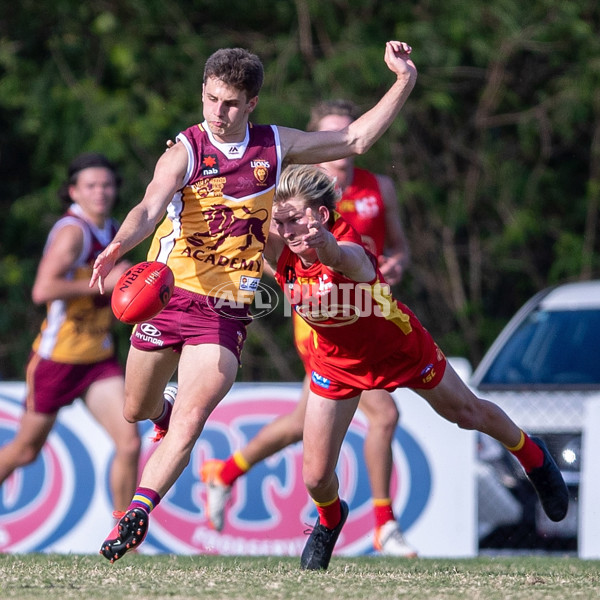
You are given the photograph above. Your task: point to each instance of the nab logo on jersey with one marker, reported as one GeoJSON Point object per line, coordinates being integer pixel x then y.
{"type": "Point", "coordinates": [210, 165]}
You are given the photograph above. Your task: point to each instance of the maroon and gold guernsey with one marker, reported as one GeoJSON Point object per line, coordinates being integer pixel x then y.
{"type": "Point", "coordinates": [217, 225]}
{"type": "Point", "coordinates": [78, 330]}
{"type": "Point", "coordinates": [362, 206]}
{"type": "Point", "coordinates": [362, 337]}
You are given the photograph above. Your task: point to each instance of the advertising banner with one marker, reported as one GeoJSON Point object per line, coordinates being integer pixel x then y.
{"type": "Point", "coordinates": [589, 487]}
{"type": "Point", "coordinates": [61, 502]}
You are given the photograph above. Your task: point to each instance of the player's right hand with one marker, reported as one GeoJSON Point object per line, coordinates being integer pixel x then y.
{"type": "Point", "coordinates": [104, 264]}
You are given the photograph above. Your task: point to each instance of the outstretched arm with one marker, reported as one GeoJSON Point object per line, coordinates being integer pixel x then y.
{"type": "Point", "coordinates": [359, 136]}
{"type": "Point", "coordinates": [142, 219]}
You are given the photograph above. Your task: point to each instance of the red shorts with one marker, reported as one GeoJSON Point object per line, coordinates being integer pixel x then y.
{"type": "Point", "coordinates": [52, 385]}
{"type": "Point", "coordinates": [417, 363]}
{"type": "Point", "coordinates": [194, 319]}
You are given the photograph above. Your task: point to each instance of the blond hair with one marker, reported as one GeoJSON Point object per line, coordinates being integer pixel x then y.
{"type": "Point", "coordinates": [309, 183]}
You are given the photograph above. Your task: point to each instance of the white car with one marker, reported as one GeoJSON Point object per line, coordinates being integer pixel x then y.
{"type": "Point", "coordinates": [541, 369]}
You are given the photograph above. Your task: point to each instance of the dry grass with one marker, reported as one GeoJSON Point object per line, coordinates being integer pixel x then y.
{"type": "Point", "coordinates": [38, 576]}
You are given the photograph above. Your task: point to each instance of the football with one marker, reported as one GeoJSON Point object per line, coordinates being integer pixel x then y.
{"type": "Point", "coordinates": [142, 292]}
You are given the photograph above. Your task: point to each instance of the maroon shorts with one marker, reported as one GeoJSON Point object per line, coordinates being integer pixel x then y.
{"type": "Point", "coordinates": [194, 319]}
{"type": "Point", "coordinates": [52, 385]}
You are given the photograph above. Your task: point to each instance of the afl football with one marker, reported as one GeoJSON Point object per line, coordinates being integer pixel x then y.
{"type": "Point", "coordinates": [142, 292]}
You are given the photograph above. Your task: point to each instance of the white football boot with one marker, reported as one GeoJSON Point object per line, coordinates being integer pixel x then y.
{"type": "Point", "coordinates": [217, 493]}
{"type": "Point", "coordinates": [389, 541]}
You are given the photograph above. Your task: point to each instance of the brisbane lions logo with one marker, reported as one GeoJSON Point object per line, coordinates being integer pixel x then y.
{"type": "Point", "coordinates": [223, 223]}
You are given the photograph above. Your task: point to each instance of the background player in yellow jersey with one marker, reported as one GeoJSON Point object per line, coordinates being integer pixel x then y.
{"type": "Point", "coordinates": [216, 185]}
{"type": "Point", "coordinates": [369, 203]}
{"type": "Point", "coordinates": [73, 355]}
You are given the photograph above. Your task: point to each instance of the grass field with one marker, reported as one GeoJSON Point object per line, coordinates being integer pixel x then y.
{"type": "Point", "coordinates": [40, 577]}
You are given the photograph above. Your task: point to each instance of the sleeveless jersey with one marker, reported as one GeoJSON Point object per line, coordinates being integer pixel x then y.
{"type": "Point", "coordinates": [362, 336]}
{"type": "Point", "coordinates": [362, 206]}
{"type": "Point", "coordinates": [78, 330]}
{"type": "Point", "coordinates": [217, 225]}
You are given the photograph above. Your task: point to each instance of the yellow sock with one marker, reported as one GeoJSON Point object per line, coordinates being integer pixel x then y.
{"type": "Point", "coordinates": [241, 462]}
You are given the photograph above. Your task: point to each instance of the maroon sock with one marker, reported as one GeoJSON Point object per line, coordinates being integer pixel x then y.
{"type": "Point", "coordinates": [144, 498]}
{"type": "Point", "coordinates": [165, 417]}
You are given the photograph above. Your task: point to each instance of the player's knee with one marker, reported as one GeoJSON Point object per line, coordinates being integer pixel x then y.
{"type": "Point", "coordinates": [467, 417]}
{"type": "Point", "coordinates": [391, 414]}
{"type": "Point", "coordinates": [384, 424]}
{"type": "Point", "coordinates": [133, 415]}
{"type": "Point", "coordinates": [134, 410]}
{"type": "Point", "coordinates": [386, 418]}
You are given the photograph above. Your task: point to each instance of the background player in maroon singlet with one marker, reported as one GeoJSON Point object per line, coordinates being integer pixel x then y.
{"type": "Point", "coordinates": [369, 203]}
{"type": "Point", "coordinates": [73, 355]}
{"type": "Point", "coordinates": [385, 346]}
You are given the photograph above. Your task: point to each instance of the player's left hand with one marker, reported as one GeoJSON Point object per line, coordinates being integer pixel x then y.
{"type": "Point", "coordinates": [397, 58]}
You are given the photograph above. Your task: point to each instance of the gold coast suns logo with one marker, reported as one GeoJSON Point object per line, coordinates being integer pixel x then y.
{"type": "Point", "coordinates": [260, 169]}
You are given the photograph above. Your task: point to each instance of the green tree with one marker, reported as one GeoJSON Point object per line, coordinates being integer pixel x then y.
{"type": "Point", "coordinates": [495, 155]}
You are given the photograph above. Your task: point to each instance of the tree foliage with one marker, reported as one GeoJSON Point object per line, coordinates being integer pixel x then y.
{"type": "Point", "coordinates": [496, 155]}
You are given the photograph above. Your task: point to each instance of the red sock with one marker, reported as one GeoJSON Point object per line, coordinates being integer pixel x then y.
{"type": "Point", "coordinates": [528, 453]}
{"type": "Point", "coordinates": [382, 508]}
{"type": "Point", "coordinates": [235, 466]}
{"type": "Point", "coordinates": [330, 513]}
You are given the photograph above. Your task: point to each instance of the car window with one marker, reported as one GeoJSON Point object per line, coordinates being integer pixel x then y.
{"type": "Point", "coordinates": [558, 348]}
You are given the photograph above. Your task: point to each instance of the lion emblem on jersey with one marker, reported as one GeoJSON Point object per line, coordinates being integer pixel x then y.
{"type": "Point", "coordinates": [223, 223]}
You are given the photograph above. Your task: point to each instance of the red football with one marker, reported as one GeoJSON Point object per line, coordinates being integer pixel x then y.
{"type": "Point", "coordinates": [142, 292]}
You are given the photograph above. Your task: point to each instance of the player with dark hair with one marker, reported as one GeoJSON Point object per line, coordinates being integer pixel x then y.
{"type": "Point", "coordinates": [74, 355]}
{"type": "Point", "coordinates": [216, 185]}
{"type": "Point", "coordinates": [383, 347]}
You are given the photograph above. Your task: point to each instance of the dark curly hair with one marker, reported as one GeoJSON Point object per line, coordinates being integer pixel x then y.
{"type": "Point", "coordinates": [79, 163]}
{"type": "Point", "coordinates": [236, 67]}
